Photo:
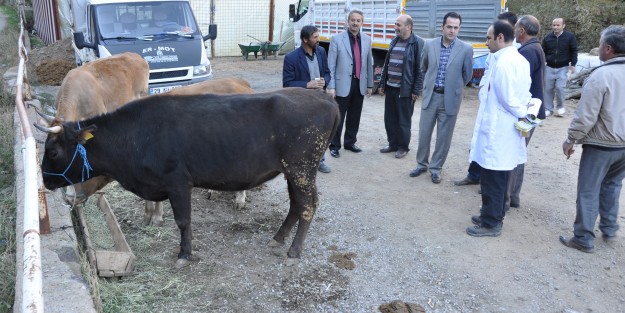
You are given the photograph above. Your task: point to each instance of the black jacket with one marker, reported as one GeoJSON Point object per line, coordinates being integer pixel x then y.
{"type": "Point", "coordinates": [411, 78]}
{"type": "Point", "coordinates": [559, 51]}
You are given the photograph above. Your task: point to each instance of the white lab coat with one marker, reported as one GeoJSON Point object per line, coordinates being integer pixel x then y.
{"type": "Point", "coordinates": [504, 95]}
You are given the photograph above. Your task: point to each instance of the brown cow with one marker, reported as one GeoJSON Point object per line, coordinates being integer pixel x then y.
{"type": "Point", "coordinates": [153, 214]}
{"type": "Point", "coordinates": [95, 88]}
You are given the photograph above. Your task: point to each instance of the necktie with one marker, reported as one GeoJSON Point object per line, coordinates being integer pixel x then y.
{"type": "Point", "coordinates": [357, 56]}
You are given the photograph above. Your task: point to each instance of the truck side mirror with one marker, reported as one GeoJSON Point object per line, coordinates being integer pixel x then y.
{"type": "Point", "coordinates": [292, 12]}
{"type": "Point", "coordinates": [212, 32]}
{"type": "Point", "coordinates": [79, 41]}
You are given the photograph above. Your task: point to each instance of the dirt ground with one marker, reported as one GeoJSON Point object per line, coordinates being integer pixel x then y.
{"type": "Point", "coordinates": [379, 235]}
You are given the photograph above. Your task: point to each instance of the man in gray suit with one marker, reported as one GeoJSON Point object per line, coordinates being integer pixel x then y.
{"type": "Point", "coordinates": [447, 66]}
{"type": "Point", "coordinates": [351, 77]}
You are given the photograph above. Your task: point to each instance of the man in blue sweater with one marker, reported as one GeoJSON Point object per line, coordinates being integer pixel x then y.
{"type": "Point", "coordinates": [525, 32]}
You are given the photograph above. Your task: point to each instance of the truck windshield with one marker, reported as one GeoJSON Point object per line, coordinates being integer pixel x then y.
{"type": "Point", "coordinates": [302, 8]}
{"type": "Point", "coordinates": [139, 19]}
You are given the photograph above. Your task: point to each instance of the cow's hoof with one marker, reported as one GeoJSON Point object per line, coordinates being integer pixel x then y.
{"type": "Point", "coordinates": [153, 222]}
{"type": "Point", "coordinates": [181, 263]}
{"type": "Point", "coordinates": [291, 261]}
{"type": "Point", "coordinates": [274, 243]}
{"type": "Point", "coordinates": [239, 205]}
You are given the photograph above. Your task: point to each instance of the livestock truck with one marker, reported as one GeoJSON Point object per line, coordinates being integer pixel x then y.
{"type": "Point", "coordinates": [164, 32]}
{"type": "Point", "coordinates": [330, 17]}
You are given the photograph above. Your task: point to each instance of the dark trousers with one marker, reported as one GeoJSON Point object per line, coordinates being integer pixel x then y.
{"type": "Point", "coordinates": [494, 185]}
{"type": "Point", "coordinates": [516, 177]}
{"type": "Point", "coordinates": [397, 118]}
{"type": "Point", "coordinates": [599, 184]}
{"type": "Point", "coordinates": [350, 108]}
{"type": "Point", "coordinates": [475, 171]}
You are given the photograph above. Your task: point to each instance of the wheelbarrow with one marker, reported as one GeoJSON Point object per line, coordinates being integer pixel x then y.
{"type": "Point", "coordinates": [246, 48]}
{"type": "Point", "coordinates": [271, 48]}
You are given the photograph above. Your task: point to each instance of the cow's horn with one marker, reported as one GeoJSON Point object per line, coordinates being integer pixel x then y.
{"type": "Point", "coordinates": [50, 130]}
{"type": "Point", "coordinates": [46, 117]}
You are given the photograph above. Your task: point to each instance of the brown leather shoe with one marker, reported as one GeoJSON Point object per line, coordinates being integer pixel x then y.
{"type": "Point", "coordinates": [401, 153]}
{"type": "Point", "coordinates": [388, 149]}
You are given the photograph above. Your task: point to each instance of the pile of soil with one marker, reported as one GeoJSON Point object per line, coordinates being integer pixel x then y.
{"type": "Point", "coordinates": [50, 64]}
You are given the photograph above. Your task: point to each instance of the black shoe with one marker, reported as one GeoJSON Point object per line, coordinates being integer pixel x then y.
{"type": "Point", "coordinates": [353, 148]}
{"type": "Point", "coordinates": [466, 181]}
{"type": "Point", "coordinates": [388, 149]}
{"type": "Point", "coordinates": [480, 231]}
{"type": "Point", "coordinates": [515, 203]}
{"type": "Point", "coordinates": [417, 171]}
{"type": "Point", "coordinates": [572, 244]}
{"type": "Point", "coordinates": [476, 219]}
{"type": "Point", "coordinates": [608, 239]}
{"type": "Point", "coordinates": [436, 178]}
{"type": "Point", "coordinates": [335, 153]}
{"type": "Point", "coordinates": [401, 153]}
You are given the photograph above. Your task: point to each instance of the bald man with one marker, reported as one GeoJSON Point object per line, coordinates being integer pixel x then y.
{"type": "Point", "coordinates": [402, 82]}
{"type": "Point", "coordinates": [560, 49]}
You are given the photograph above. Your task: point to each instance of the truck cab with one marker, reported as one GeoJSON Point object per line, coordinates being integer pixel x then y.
{"type": "Point", "coordinates": [163, 32]}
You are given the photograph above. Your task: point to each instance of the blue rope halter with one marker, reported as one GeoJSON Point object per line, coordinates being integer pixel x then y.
{"type": "Point", "coordinates": [80, 149]}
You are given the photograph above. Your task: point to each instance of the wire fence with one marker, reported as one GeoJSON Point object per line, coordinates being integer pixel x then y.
{"type": "Point", "coordinates": [236, 21]}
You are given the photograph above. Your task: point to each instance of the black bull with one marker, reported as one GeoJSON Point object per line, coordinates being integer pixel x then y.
{"type": "Point", "coordinates": [160, 147]}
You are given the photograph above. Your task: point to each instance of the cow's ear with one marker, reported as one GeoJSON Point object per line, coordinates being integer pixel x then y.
{"type": "Point", "coordinates": [86, 134]}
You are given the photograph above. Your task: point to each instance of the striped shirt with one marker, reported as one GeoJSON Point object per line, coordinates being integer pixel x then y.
{"type": "Point", "coordinates": [396, 64]}
{"type": "Point", "coordinates": [442, 63]}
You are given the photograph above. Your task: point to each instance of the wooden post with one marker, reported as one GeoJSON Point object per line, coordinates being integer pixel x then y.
{"type": "Point", "coordinates": [271, 18]}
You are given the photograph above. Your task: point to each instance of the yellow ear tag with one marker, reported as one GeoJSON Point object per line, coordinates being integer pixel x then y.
{"type": "Point", "coordinates": [87, 135]}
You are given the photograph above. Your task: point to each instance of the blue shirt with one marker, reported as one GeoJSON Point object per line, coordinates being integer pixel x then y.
{"type": "Point", "coordinates": [442, 63]}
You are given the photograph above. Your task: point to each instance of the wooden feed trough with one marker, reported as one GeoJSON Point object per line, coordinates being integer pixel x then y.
{"type": "Point", "coordinates": [120, 261]}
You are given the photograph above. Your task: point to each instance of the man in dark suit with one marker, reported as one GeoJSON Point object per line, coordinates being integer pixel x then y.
{"type": "Point", "coordinates": [351, 67]}
{"type": "Point", "coordinates": [447, 66]}
{"type": "Point", "coordinates": [307, 67]}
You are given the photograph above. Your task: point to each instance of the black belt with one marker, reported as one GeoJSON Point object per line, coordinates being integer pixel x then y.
{"type": "Point", "coordinates": [439, 89]}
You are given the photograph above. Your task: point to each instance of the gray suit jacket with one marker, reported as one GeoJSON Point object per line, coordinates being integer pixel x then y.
{"type": "Point", "coordinates": [340, 62]}
{"type": "Point", "coordinates": [457, 75]}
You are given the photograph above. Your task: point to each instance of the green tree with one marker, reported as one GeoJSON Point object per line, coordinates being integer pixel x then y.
{"type": "Point", "coordinates": [585, 18]}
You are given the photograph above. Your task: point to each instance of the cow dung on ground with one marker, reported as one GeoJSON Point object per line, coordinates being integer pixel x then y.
{"type": "Point", "coordinates": [49, 65]}
{"type": "Point", "coordinates": [398, 306]}
{"type": "Point", "coordinates": [343, 260]}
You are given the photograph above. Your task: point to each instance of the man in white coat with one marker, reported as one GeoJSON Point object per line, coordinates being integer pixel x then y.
{"type": "Point", "coordinates": [351, 78]}
{"type": "Point", "coordinates": [496, 144]}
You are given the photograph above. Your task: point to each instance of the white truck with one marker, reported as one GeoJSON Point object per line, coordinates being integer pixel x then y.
{"type": "Point", "coordinates": [164, 32]}
{"type": "Point", "coordinates": [379, 20]}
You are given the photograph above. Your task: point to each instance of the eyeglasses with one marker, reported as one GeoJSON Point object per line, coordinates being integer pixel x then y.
{"type": "Point", "coordinates": [489, 38]}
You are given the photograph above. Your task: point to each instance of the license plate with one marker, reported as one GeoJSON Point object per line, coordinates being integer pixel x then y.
{"type": "Point", "coordinates": [157, 90]}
